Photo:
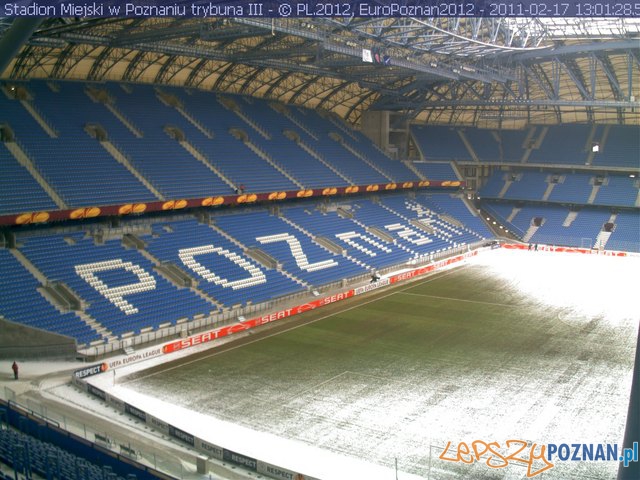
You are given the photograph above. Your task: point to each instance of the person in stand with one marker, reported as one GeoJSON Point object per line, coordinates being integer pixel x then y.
{"type": "Point", "coordinates": [242, 188]}
{"type": "Point", "coordinates": [14, 367]}
{"type": "Point", "coordinates": [374, 276]}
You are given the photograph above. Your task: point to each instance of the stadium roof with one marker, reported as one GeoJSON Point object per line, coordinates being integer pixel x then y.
{"type": "Point", "coordinates": [468, 71]}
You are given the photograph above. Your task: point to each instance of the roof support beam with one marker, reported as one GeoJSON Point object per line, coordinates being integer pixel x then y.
{"type": "Point", "coordinates": [15, 37]}
{"type": "Point", "coordinates": [532, 74]}
{"type": "Point", "coordinates": [249, 80]}
{"type": "Point", "coordinates": [575, 76]}
{"type": "Point", "coordinates": [195, 72]}
{"type": "Point", "coordinates": [72, 55]}
{"type": "Point", "coordinates": [607, 68]}
{"type": "Point", "coordinates": [355, 51]}
{"type": "Point", "coordinates": [630, 63]}
{"type": "Point", "coordinates": [163, 33]}
{"type": "Point", "coordinates": [577, 50]}
{"type": "Point", "coordinates": [275, 84]}
{"type": "Point", "coordinates": [33, 57]}
{"type": "Point", "coordinates": [331, 93]}
{"type": "Point", "coordinates": [450, 103]}
{"type": "Point", "coordinates": [107, 58]}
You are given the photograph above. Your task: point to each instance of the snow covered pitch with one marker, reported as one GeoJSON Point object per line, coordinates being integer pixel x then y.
{"type": "Point", "coordinates": [533, 346]}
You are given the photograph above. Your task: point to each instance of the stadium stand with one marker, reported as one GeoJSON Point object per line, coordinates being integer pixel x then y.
{"type": "Point", "coordinates": [221, 269]}
{"type": "Point", "coordinates": [36, 447]}
{"type": "Point", "coordinates": [32, 456]}
{"type": "Point", "coordinates": [413, 239]}
{"type": "Point", "coordinates": [625, 233]}
{"type": "Point", "coordinates": [528, 186]}
{"type": "Point", "coordinates": [230, 155]}
{"type": "Point", "coordinates": [562, 144]}
{"type": "Point", "coordinates": [163, 161]}
{"type": "Point", "coordinates": [524, 221]}
{"type": "Point", "coordinates": [502, 211]}
{"type": "Point", "coordinates": [440, 143]}
{"type": "Point", "coordinates": [571, 188]}
{"type": "Point", "coordinates": [445, 234]}
{"type": "Point", "coordinates": [619, 191]}
{"type": "Point", "coordinates": [73, 163]}
{"type": "Point", "coordinates": [471, 143]}
{"type": "Point", "coordinates": [307, 169]}
{"type": "Point", "coordinates": [22, 302]}
{"type": "Point", "coordinates": [582, 232]}
{"type": "Point", "coordinates": [221, 142]}
{"type": "Point", "coordinates": [299, 255]}
{"type": "Point", "coordinates": [356, 169]}
{"type": "Point", "coordinates": [140, 145]}
{"type": "Point", "coordinates": [484, 143]}
{"type": "Point", "coordinates": [589, 222]}
{"type": "Point", "coordinates": [541, 145]}
{"type": "Point", "coordinates": [119, 285]}
{"type": "Point", "coordinates": [583, 226]}
{"type": "Point", "coordinates": [365, 248]}
{"type": "Point", "coordinates": [495, 185]}
{"type": "Point", "coordinates": [436, 170]}
{"type": "Point", "coordinates": [397, 171]}
{"type": "Point", "coordinates": [19, 191]}
{"type": "Point", "coordinates": [511, 143]}
{"type": "Point", "coordinates": [621, 147]}
{"type": "Point", "coordinates": [454, 206]}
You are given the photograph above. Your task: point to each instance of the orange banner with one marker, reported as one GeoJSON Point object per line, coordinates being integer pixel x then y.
{"type": "Point", "coordinates": [132, 208]}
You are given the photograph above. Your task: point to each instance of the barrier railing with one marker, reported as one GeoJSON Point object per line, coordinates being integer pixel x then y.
{"type": "Point", "coordinates": [231, 316]}
{"type": "Point", "coordinates": [438, 468]}
{"type": "Point", "coordinates": [119, 442]}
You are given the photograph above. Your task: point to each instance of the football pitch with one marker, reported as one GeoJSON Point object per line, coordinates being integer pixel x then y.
{"type": "Point", "coordinates": [512, 345]}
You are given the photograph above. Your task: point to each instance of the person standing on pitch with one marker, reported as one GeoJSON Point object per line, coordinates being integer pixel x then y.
{"type": "Point", "coordinates": [14, 367]}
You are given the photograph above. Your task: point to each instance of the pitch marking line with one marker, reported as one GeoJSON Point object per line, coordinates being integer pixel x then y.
{"type": "Point", "coordinates": [374, 376]}
{"type": "Point", "coordinates": [350, 372]}
{"type": "Point", "coordinates": [383, 379]}
{"type": "Point", "coordinates": [458, 299]}
{"type": "Point", "coordinates": [323, 383]}
{"type": "Point", "coordinates": [216, 352]}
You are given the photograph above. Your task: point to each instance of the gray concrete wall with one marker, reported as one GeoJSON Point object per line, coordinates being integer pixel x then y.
{"type": "Point", "coordinates": [19, 342]}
